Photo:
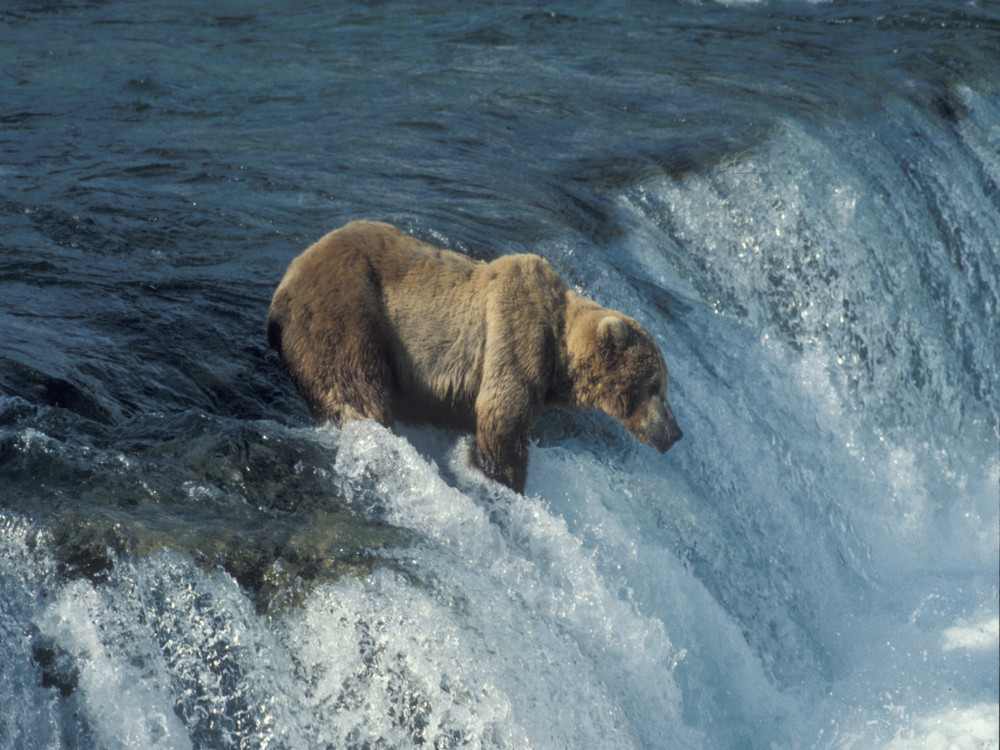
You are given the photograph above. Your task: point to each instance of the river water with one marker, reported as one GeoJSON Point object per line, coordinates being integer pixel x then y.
{"type": "Point", "coordinates": [801, 202]}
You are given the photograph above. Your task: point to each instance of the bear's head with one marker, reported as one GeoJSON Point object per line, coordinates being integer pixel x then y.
{"type": "Point", "coordinates": [631, 381]}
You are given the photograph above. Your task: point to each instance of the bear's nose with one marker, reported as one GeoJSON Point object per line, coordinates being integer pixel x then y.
{"type": "Point", "coordinates": [675, 433]}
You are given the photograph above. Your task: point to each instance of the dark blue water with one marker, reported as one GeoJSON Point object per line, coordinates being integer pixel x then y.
{"type": "Point", "coordinates": [801, 201]}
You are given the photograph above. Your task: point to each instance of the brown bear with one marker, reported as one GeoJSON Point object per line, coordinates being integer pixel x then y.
{"type": "Point", "coordinates": [372, 323]}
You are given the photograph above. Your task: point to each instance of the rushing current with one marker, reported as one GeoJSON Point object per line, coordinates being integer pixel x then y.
{"type": "Point", "coordinates": [799, 200]}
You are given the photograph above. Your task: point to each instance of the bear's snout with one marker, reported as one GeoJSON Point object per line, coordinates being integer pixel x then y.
{"type": "Point", "coordinates": [662, 430]}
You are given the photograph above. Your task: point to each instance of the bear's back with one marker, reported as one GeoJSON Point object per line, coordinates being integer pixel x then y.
{"type": "Point", "coordinates": [432, 313]}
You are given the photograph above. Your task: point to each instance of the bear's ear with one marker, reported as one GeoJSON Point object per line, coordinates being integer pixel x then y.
{"type": "Point", "coordinates": [612, 335]}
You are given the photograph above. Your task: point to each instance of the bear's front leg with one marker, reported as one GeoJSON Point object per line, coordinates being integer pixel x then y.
{"type": "Point", "coordinates": [501, 447]}
{"type": "Point", "coordinates": [502, 459]}
{"type": "Point", "coordinates": [511, 392]}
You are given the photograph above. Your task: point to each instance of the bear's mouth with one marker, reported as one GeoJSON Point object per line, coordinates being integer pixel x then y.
{"type": "Point", "coordinates": [661, 444]}
{"type": "Point", "coordinates": [662, 430]}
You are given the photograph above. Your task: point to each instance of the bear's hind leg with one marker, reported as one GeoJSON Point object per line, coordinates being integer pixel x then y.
{"type": "Point", "coordinates": [346, 376]}
{"type": "Point", "coordinates": [340, 411]}
{"type": "Point", "coordinates": [358, 387]}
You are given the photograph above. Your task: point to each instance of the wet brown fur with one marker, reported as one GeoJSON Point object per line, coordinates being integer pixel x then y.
{"type": "Point", "coordinates": [373, 323]}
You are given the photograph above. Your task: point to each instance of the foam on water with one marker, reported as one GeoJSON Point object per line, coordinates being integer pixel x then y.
{"type": "Point", "coordinates": [550, 620]}
{"type": "Point", "coordinates": [868, 323]}
{"type": "Point", "coordinates": [32, 714]}
{"type": "Point", "coordinates": [481, 637]}
{"type": "Point", "coordinates": [534, 593]}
